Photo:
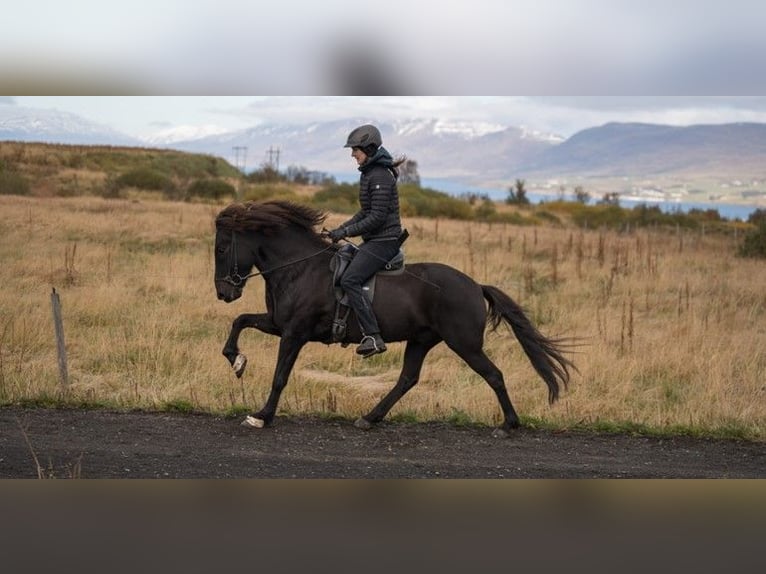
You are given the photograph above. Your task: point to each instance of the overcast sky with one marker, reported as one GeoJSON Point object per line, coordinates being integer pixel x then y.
{"type": "Point", "coordinates": [394, 47]}
{"type": "Point", "coordinates": [330, 47]}
{"type": "Point", "coordinates": [563, 115]}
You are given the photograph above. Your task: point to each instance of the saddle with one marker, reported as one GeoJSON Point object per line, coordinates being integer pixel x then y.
{"type": "Point", "coordinates": [339, 264]}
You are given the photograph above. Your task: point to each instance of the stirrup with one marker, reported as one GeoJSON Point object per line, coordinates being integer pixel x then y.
{"type": "Point", "coordinates": [375, 350]}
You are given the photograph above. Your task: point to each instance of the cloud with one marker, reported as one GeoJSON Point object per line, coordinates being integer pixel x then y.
{"type": "Point", "coordinates": [644, 103]}
{"type": "Point", "coordinates": [404, 47]}
{"type": "Point", "coordinates": [307, 109]}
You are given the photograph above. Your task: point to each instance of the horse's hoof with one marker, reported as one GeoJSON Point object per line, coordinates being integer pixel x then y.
{"type": "Point", "coordinates": [501, 434]}
{"type": "Point", "coordinates": [239, 366]}
{"type": "Point", "coordinates": [253, 423]}
{"type": "Point", "coordinates": [363, 424]}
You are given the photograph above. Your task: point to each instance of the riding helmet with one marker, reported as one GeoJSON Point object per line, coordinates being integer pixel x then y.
{"type": "Point", "coordinates": [366, 137]}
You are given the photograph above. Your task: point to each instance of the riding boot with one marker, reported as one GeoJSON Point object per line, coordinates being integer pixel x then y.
{"type": "Point", "coordinates": [371, 345]}
{"type": "Point", "coordinates": [370, 258]}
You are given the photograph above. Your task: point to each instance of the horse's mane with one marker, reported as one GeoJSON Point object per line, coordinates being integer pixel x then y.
{"type": "Point", "coordinates": [268, 217]}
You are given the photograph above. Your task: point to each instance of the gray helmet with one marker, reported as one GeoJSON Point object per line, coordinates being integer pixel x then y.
{"type": "Point", "coordinates": [364, 137]}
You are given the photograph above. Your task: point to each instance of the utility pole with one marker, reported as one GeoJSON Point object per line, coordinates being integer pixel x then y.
{"type": "Point", "coordinates": [274, 153]}
{"type": "Point", "coordinates": [240, 158]}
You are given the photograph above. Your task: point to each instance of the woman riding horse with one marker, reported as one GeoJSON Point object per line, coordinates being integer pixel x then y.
{"type": "Point", "coordinates": [378, 223]}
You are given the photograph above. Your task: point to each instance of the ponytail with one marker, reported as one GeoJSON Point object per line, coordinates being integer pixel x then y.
{"type": "Point", "coordinates": [398, 162]}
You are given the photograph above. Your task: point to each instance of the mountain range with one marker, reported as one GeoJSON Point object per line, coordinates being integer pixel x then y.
{"type": "Point", "coordinates": [52, 126]}
{"type": "Point", "coordinates": [469, 153]}
{"type": "Point", "coordinates": [443, 150]}
{"type": "Point", "coordinates": [619, 150]}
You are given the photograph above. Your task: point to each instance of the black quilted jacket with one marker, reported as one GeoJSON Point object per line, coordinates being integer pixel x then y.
{"type": "Point", "coordinates": [379, 218]}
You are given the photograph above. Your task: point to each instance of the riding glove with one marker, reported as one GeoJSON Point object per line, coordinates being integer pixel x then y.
{"type": "Point", "coordinates": [337, 234]}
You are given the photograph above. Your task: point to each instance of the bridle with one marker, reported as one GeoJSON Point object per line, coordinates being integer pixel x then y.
{"type": "Point", "coordinates": [236, 280]}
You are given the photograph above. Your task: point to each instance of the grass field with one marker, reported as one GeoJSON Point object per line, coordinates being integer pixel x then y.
{"type": "Point", "coordinates": [671, 325]}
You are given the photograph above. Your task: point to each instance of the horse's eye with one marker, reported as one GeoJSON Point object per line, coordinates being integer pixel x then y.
{"type": "Point", "coordinates": [220, 250]}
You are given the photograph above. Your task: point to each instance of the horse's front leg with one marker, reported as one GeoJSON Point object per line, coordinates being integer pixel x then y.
{"type": "Point", "coordinates": [289, 349]}
{"type": "Point", "coordinates": [262, 322]}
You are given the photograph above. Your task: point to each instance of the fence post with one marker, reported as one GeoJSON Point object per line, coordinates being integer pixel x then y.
{"type": "Point", "coordinates": [58, 323]}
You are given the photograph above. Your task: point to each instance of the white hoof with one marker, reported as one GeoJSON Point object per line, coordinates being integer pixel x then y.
{"type": "Point", "coordinates": [253, 423]}
{"type": "Point", "coordinates": [239, 365]}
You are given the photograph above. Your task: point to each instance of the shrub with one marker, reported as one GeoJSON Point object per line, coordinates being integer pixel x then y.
{"type": "Point", "coordinates": [145, 179]}
{"type": "Point", "coordinates": [548, 217]}
{"type": "Point", "coordinates": [211, 189]}
{"type": "Point", "coordinates": [266, 174]}
{"type": "Point", "coordinates": [339, 197]}
{"type": "Point", "coordinates": [424, 202]}
{"type": "Point", "coordinates": [757, 217]}
{"type": "Point", "coordinates": [755, 243]}
{"type": "Point", "coordinates": [486, 211]}
{"type": "Point", "coordinates": [12, 183]}
{"type": "Point", "coordinates": [265, 192]}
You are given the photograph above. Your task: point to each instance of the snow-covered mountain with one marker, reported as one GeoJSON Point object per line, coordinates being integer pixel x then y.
{"type": "Point", "coordinates": [444, 150]}
{"type": "Point", "coordinates": [463, 153]}
{"type": "Point", "coordinates": [53, 126]}
{"type": "Point", "coordinates": [473, 152]}
{"type": "Point", "coordinates": [169, 136]}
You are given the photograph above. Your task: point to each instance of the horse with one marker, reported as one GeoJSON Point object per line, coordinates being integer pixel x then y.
{"type": "Point", "coordinates": [429, 304]}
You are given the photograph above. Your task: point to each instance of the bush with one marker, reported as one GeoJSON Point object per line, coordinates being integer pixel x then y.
{"type": "Point", "coordinates": [424, 202]}
{"type": "Point", "coordinates": [266, 174]}
{"type": "Point", "coordinates": [12, 183]}
{"type": "Point", "coordinates": [339, 197]}
{"type": "Point", "coordinates": [486, 211]}
{"type": "Point", "coordinates": [211, 189]}
{"type": "Point", "coordinates": [145, 179]}
{"type": "Point", "coordinates": [757, 217]}
{"type": "Point", "coordinates": [755, 243]}
{"type": "Point", "coordinates": [265, 192]}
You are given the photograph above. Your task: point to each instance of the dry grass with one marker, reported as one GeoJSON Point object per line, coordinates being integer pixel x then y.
{"type": "Point", "coordinates": [673, 326]}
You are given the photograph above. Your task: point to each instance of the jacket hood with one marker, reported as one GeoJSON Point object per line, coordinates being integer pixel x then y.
{"type": "Point", "coordinates": [381, 158]}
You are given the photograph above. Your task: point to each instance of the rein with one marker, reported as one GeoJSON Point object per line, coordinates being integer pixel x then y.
{"type": "Point", "coordinates": [236, 280]}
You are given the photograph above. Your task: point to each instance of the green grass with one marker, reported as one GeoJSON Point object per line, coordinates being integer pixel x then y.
{"type": "Point", "coordinates": [732, 431]}
{"type": "Point", "coordinates": [178, 406]}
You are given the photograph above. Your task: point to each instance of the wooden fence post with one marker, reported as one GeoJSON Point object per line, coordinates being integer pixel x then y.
{"type": "Point", "coordinates": [58, 323]}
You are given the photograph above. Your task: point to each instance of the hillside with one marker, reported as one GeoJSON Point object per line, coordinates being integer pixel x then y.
{"type": "Point", "coordinates": [70, 170]}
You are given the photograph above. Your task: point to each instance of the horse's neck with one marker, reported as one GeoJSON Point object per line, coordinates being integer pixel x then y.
{"type": "Point", "coordinates": [294, 248]}
{"type": "Point", "coordinates": [293, 259]}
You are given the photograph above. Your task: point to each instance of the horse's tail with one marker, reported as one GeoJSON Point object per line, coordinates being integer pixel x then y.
{"type": "Point", "coordinates": [546, 354]}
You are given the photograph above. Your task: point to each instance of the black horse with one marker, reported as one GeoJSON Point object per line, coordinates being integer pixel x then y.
{"type": "Point", "coordinates": [429, 304]}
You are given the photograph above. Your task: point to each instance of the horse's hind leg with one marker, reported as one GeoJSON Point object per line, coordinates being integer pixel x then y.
{"type": "Point", "coordinates": [480, 363]}
{"type": "Point", "coordinates": [414, 355]}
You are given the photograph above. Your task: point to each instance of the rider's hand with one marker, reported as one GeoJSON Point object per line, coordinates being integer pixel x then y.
{"type": "Point", "coordinates": [337, 234]}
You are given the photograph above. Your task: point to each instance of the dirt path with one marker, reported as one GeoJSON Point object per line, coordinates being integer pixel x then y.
{"type": "Point", "coordinates": [103, 444]}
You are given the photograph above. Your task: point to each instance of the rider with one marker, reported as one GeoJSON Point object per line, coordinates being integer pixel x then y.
{"type": "Point", "coordinates": [378, 223]}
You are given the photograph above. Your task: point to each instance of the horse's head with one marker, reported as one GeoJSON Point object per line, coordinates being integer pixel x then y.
{"type": "Point", "coordinates": [256, 234]}
{"type": "Point", "coordinates": [233, 262]}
